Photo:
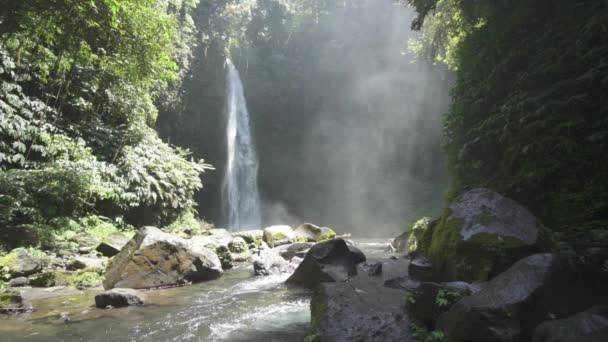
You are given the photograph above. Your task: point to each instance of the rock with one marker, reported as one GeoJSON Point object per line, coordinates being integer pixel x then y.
{"type": "Point", "coordinates": [85, 249]}
{"type": "Point", "coordinates": [534, 289]}
{"type": "Point", "coordinates": [226, 260]}
{"type": "Point", "coordinates": [329, 261]}
{"type": "Point", "coordinates": [238, 245]}
{"type": "Point", "coordinates": [416, 239]}
{"type": "Point", "coordinates": [588, 326]}
{"type": "Point", "coordinates": [119, 297]}
{"type": "Point", "coordinates": [251, 236]}
{"type": "Point", "coordinates": [279, 235]}
{"type": "Point", "coordinates": [356, 254]}
{"type": "Point", "coordinates": [270, 262]}
{"type": "Point", "coordinates": [22, 262]}
{"type": "Point", "coordinates": [154, 258]}
{"type": "Point", "coordinates": [219, 232]}
{"type": "Point", "coordinates": [64, 316]}
{"type": "Point", "coordinates": [358, 311]}
{"type": "Point", "coordinates": [85, 263]}
{"type": "Point", "coordinates": [112, 245]}
{"type": "Point", "coordinates": [308, 232]}
{"type": "Point", "coordinates": [426, 301]}
{"type": "Point", "coordinates": [421, 269]}
{"type": "Point", "coordinates": [19, 281]}
{"type": "Point", "coordinates": [481, 234]}
{"type": "Point", "coordinates": [294, 249]}
{"type": "Point", "coordinates": [12, 237]}
{"type": "Point", "coordinates": [375, 269]}
{"type": "Point", "coordinates": [65, 253]}
{"type": "Point", "coordinates": [13, 302]}
{"type": "Point", "coordinates": [55, 288]}
{"type": "Point", "coordinates": [241, 257]}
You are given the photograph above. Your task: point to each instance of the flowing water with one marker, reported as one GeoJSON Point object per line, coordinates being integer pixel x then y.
{"type": "Point", "coordinates": [236, 307]}
{"type": "Point", "coordinates": [240, 182]}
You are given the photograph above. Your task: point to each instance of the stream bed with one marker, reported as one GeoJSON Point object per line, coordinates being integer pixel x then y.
{"type": "Point", "coordinates": [236, 307]}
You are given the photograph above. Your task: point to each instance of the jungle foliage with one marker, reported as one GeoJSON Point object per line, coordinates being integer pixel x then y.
{"type": "Point", "coordinates": [80, 83]}
{"type": "Point", "coordinates": [529, 113]}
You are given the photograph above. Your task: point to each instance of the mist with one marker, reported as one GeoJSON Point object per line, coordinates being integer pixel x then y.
{"type": "Point", "coordinates": [369, 159]}
{"type": "Point", "coordinates": [346, 123]}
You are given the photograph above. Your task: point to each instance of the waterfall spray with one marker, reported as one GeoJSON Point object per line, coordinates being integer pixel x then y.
{"type": "Point", "coordinates": [240, 188]}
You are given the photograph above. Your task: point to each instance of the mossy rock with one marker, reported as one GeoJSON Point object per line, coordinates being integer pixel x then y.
{"type": "Point", "coordinates": [308, 232]}
{"type": "Point", "coordinates": [223, 253]}
{"type": "Point", "coordinates": [480, 235]}
{"type": "Point", "coordinates": [318, 307]}
{"type": "Point", "coordinates": [278, 235]}
{"type": "Point", "coordinates": [417, 239]}
{"type": "Point", "coordinates": [13, 302]}
{"type": "Point", "coordinates": [22, 262]}
{"type": "Point", "coordinates": [75, 279]}
{"type": "Point", "coordinates": [327, 234]}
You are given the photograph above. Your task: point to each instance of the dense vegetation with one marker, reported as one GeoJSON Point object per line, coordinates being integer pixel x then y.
{"type": "Point", "coordinates": [80, 84]}
{"type": "Point", "coordinates": [528, 115]}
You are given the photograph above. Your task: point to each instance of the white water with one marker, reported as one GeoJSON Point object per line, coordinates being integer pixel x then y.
{"type": "Point", "coordinates": [240, 190]}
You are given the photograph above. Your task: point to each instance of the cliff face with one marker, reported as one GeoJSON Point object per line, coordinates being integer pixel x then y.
{"type": "Point", "coordinates": [528, 116]}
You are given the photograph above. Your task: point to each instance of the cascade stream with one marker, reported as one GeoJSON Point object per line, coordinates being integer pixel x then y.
{"type": "Point", "coordinates": [240, 188]}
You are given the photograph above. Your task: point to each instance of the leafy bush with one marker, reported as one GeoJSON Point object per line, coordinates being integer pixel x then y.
{"type": "Point", "coordinates": [78, 85]}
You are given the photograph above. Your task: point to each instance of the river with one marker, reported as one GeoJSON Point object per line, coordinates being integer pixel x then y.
{"type": "Point", "coordinates": [236, 307]}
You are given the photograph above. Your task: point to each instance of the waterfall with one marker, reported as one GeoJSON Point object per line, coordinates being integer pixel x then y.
{"type": "Point", "coordinates": [240, 188]}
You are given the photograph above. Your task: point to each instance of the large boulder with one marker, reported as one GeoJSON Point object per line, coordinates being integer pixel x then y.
{"type": "Point", "coordinates": [481, 234]}
{"type": "Point", "coordinates": [279, 235]}
{"type": "Point", "coordinates": [154, 258]}
{"type": "Point", "coordinates": [358, 310]}
{"type": "Point", "coordinates": [22, 262]}
{"type": "Point", "coordinates": [308, 232]}
{"type": "Point", "coordinates": [329, 261]}
{"type": "Point", "coordinates": [119, 297]}
{"type": "Point", "coordinates": [13, 302]}
{"type": "Point", "coordinates": [534, 289]}
{"type": "Point", "coordinates": [588, 326]}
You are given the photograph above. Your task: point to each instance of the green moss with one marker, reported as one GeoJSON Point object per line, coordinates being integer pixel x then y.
{"type": "Point", "coordinates": [76, 279]}
{"type": "Point", "coordinates": [450, 259]}
{"type": "Point", "coordinates": [311, 338]}
{"type": "Point", "coordinates": [318, 307]}
{"type": "Point", "coordinates": [442, 251]}
{"type": "Point", "coordinates": [86, 279]}
{"type": "Point", "coordinates": [330, 234]}
{"type": "Point", "coordinates": [8, 298]}
{"type": "Point", "coordinates": [47, 279]}
{"type": "Point", "coordinates": [9, 265]}
{"type": "Point", "coordinates": [418, 239]}
{"type": "Point", "coordinates": [485, 217]}
{"type": "Point", "coordinates": [279, 236]}
{"type": "Point", "coordinates": [301, 239]}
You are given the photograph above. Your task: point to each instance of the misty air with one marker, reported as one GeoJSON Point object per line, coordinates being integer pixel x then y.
{"type": "Point", "coordinates": [304, 170]}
